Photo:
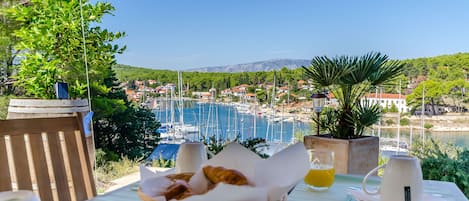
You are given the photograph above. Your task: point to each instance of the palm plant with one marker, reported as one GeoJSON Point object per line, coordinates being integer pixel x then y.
{"type": "Point", "coordinates": [349, 78]}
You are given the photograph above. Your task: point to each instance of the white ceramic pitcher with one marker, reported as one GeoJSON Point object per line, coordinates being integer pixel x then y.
{"type": "Point", "coordinates": [402, 180]}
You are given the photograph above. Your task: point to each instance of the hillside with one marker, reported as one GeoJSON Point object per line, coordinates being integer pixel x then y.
{"type": "Point", "coordinates": [446, 67]}
{"type": "Point", "coordinates": [269, 65]}
{"type": "Point", "coordinates": [440, 68]}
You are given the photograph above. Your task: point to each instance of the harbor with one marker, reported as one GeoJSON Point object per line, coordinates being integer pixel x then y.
{"type": "Point", "coordinates": [226, 121]}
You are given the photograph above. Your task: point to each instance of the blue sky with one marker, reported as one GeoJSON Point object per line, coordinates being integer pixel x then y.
{"type": "Point", "coordinates": [182, 34]}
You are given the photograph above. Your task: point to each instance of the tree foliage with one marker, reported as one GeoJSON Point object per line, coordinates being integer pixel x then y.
{"type": "Point", "coordinates": [50, 39]}
{"type": "Point", "coordinates": [443, 162]}
{"type": "Point", "coordinates": [49, 36]}
{"type": "Point", "coordinates": [202, 81]}
{"type": "Point", "coordinates": [445, 67]}
{"type": "Point", "coordinates": [8, 52]}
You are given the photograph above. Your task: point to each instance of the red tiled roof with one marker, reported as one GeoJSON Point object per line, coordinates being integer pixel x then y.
{"type": "Point", "coordinates": [238, 90]}
{"type": "Point", "coordinates": [251, 95]}
{"type": "Point", "coordinates": [373, 95]}
{"type": "Point", "coordinates": [385, 96]}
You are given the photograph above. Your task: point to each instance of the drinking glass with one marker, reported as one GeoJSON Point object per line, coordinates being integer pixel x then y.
{"type": "Point", "coordinates": [321, 173]}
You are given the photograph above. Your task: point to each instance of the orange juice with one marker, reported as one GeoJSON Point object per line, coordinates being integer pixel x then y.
{"type": "Point", "coordinates": [320, 177]}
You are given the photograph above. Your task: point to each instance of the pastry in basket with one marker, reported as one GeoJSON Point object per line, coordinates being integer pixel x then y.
{"type": "Point", "coordinates": [178, 190]}
{"type": "Point", "coordinates": [227, 176]}
{"type": "Point", "coordinates": [181, 176]}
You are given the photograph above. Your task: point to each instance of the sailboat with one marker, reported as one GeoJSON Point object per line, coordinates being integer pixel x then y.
{"type": "Point", "coordinates": [167, 132]}
{"type": "Point", "coordinates": [274, 145]}
{"type": "Point", "coordinates": [395, 146]}
{"type": "Point", "coordinates": [178, 132]}
{"type": "Point", "coordinates": [188, 131]}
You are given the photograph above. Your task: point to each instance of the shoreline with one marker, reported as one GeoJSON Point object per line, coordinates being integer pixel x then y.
{"type": "Point", "coordinates": [302, 112]}
{"type": "Point", "coordinates": [435, 129]}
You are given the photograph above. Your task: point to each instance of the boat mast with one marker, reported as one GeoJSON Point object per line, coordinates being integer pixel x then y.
{"type": "Point", "coordinates": [293, 131]}
{"type": "Point", "coordinates": [172, 112]}
{"type": "Point", "coordinates": [281, 123]}
{"type": "Point", "coordinates": [208, 115]}
{"type": "Point", "coordinates": [166, 106]}
{"type": "Point", "coordinates": [235, 111]}
{"type": "Point", "coordinates": [216, 120]}
{"type": "Point", "coordinates": [399, 122]}
{"type": "Point", "coordinates": [200, 122]}
{"type": "Point", "coordinates": [379, 123]}
{"type": "Point", "coordinates": [228, 130]}
{"type": "Point", "coordinates": [181, 102]}
{"type": "Point", "coordinates": [411, 135]}
{"type": "Point", "coordinates": [421, 115]}
{"type": "Point", "coordinates": [255, 116]}
{"type": "Point", "coordinates": [272, 104]}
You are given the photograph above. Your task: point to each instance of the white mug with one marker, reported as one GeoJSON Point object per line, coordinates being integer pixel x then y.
{"type": "Point", "coordinates": [190, 156]}
{"type": "Point", "coordinates": [402, 180]}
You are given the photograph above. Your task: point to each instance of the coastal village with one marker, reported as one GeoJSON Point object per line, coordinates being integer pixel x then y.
{"type": "Point", "coordinates": [288, 105]}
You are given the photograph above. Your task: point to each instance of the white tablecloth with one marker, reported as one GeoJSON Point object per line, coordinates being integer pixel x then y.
{"type": "Point", "coordinates": [21, 195]}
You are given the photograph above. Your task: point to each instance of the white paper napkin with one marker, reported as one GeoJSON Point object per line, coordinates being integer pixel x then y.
{"type": "Point", "coordinates": [147, 173]}
{"type": "Point", "coordinates": [21, 195]}
{"type": "Point", "coordinates": [359, 195]}
{"type": "Point", "coordinates": [270, 179]}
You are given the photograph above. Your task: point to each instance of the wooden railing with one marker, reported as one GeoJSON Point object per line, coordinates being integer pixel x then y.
{"type": "Point", "coordinates": [48, 156]}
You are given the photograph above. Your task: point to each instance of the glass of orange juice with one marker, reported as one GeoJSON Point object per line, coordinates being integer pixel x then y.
{"type": "Point", "coordinates": [321, 173]}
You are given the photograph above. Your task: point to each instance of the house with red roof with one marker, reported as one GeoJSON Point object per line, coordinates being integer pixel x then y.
{"type": "Point", "coordinates": [250, 96]}
{"type": "Point", "coordinates": [386, 100]}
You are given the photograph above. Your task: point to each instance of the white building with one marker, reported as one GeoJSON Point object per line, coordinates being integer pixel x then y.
{"type": "Point", "coordinates": [387, 100]}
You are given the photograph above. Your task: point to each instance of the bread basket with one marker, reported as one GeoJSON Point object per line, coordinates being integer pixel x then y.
{"type": "Point", "coordinates": [182, 176]}
{"type": "Point", "coordinates": [143, 196]}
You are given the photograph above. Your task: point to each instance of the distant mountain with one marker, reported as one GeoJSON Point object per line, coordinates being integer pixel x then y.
{"type": "Point", "coordinates": [268, 65]}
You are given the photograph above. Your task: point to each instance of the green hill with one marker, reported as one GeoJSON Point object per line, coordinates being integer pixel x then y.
{"type": "Point", "coordinates": [444, 67]}
{"type": "Point", "coordinates": [202, 81]}
{"type": "Point", "coordinates": [441, 68]}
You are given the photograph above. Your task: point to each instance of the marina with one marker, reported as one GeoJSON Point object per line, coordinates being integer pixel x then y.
{"type": "Point", "coordinates": [226, 121]}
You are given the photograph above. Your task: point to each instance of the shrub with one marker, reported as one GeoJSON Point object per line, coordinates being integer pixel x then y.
{"type": "Point", "coordinates": [444, 162]}
{"type": "Point", "coordinates": [106, 171]}
{"type": "Point", "coordinates": [161, 162]}
{"type": "Point", "coordinates": [428, 125]}
{"type": "Point", "coordinates": [4, 101]}
{"type": "Point", "coordinates": [393, 108]}
{"type": "Point", "coordinates": [389, 122]}
{"type": "Point", "coordinates": [405, 122]}
{"type": "Point", "coordinates": [299, 136]}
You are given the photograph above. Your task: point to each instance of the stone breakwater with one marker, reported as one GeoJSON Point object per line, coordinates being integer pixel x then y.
{"type": "Point", "coordinates": [458, 122]}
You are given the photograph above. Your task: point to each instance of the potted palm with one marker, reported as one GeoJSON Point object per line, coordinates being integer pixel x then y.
{"type": "Point", "coordinates": [348, 79]}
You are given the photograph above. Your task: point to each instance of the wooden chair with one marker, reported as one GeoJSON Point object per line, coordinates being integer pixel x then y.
{"type": "Point", "coordinates": [48, 156]}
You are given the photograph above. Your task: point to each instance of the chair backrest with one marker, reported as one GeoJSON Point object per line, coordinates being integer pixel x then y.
{"type": "Point", "coordinates": [48, 156]}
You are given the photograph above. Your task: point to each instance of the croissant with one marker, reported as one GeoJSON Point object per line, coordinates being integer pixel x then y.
{"type": "Point", "coordinates": [221, 174]}
{"type": "Point", "coordinates": [181, 176]}
{"type": "Point", "coordinates": [178, 190]}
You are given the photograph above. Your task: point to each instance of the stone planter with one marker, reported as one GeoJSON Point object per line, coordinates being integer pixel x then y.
{"type": "Point", "coordinates": [353, 156]}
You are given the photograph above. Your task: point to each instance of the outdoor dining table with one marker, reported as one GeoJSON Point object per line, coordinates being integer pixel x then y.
{"type": "Point", "coordinates": [338, 192]}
